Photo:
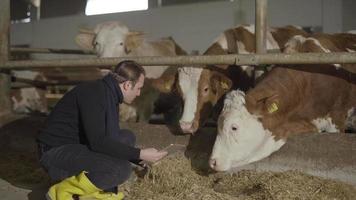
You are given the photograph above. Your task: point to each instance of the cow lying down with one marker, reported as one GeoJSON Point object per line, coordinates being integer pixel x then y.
{"type": "Point", "coordinates": [201, 88]}
{"type": "Point", "coordinates": [289, 100]}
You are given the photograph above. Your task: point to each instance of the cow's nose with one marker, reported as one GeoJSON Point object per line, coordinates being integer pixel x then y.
{"type": "Point", "coordinates": [212, 163]}
{"type": "Point", "coordinates": [186, 126]}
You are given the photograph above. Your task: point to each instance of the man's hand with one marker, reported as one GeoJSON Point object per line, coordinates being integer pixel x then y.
{"type": "Point", "coordinates": [152, 155]}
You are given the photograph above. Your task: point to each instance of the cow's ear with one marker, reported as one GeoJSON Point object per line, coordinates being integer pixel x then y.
{"type": "Point", "coordinates": [133, 40]}
{"type": "Point", "coordinates": [270, 104]}
{"type": "Point", "coordinates": [85, 39]}
{"type": "Point", "coordinates": [261, 102]}
{"type": "Point", "coordinates": [220, 83]}
{"type": "Point", "coordinates": [165, 83]}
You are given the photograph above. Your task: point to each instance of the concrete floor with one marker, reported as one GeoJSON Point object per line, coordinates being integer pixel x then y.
{"type": "Point", "coordinates": [11, 192]}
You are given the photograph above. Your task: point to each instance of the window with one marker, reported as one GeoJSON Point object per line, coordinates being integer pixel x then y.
{"type": "Point", "coordinates": [96, 7]}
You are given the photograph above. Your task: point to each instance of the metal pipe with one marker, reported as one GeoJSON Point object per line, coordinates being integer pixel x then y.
{"type": "Point", "coordinates": [43, 84]}
{"type": "Point", "coordinates": [49, 50]}
{"type": "Point", "coordinates": [260, 32]}
{"type": "Point", "coordinates": [242, 59]}
{"type": "Point", "coordinates": [261, 25]}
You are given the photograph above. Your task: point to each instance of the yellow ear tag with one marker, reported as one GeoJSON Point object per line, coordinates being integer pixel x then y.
{"type": "Point", "coordinates": [272, 108]}
{"type": "Point", "coordinates": [224, 86]}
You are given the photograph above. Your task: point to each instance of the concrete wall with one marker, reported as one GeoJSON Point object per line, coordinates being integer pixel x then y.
{"type": "Point", "coordinates": [349, 15]}
{"type": "Point", "coordinates": [193, 26]}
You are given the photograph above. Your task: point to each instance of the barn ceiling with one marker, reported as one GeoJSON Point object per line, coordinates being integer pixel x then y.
{"type": "Point", "coordinates": [21, 9]}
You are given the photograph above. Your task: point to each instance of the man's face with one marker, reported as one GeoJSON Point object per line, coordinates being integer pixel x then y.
{"type": "Point", "coordinates": [130, 93]}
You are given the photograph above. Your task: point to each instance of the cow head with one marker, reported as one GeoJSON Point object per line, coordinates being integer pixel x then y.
{"type": "Point", "coordinates": [241, 138]}
{"type": "Point", "coordinates": [200, 90]}
{"type": "Point", "coordinates": [110, 39]}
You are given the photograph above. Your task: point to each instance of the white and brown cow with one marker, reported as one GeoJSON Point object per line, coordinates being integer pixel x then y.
{"type": "Point", "coordinates": [114, 39]}
{"type": "Point", "coordinates": [29, 99]}
{"type": "Point", "coordinates": [292, 99]}
{"type": "Point", "coordinates": [201, 88]}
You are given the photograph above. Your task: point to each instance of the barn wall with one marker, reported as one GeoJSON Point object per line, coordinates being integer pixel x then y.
{"type": "Point", "coordinates": [194, 26]}
{"type": "Point", "coordinates": [332, 16]}
{"type": "Point", "coordinates": [348, 15]}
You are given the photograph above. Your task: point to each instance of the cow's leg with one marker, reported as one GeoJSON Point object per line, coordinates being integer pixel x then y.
{"type": "Point", "coordinates": [350, 123]}
{"type": "Point", "coordinates": [342, 111]}
{"type": "Point", "coordinates": [339, 118]}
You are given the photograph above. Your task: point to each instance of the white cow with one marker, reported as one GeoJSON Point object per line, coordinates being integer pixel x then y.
{"type": "Point", "coordinates": [114, 39]}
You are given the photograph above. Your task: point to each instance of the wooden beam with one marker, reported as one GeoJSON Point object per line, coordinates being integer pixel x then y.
{"type": "Point", "coordinates": [5, 103]}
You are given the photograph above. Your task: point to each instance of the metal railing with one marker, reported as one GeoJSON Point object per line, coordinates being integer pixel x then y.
{"type": "Point", "coordinates": [242, 59]}
{"type": "Point", "coordinates": [50, 50]}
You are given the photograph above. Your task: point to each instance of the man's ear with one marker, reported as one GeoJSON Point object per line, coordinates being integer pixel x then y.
{"type": "Point", "coordinates": [221, 84]}
{"type": "Point", "coordinates": [165, 83]}
{"type": "Point", "coordinates": [127, 85]}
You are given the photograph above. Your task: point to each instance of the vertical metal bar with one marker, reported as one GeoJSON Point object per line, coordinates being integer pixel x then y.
{"type": "Point", "coordinates": [5, 104]}
{"type": "Point", "coordinates": [261, 30]}
{"type": "Point", "coordinates": [261, 26]}
{"type": "Point", "coordinates": [38, 11]}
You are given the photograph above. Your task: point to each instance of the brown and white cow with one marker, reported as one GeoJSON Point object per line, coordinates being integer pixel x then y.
{"type": "Point", "coordinates": [292, 99]}
{"type": "Point", "coordinates": [29, 99]}
{"type": "Point", "coordinates": [114, 39]}
{"type": "Point", "coordinates": [201, 88]}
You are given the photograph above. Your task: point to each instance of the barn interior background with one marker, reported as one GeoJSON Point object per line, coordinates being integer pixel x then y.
{"type": "Point", "coordinates": [193, 24]}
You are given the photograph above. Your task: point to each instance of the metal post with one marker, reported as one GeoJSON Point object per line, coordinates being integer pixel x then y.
{"type": "Point", "coordinates": [261, 30]}
{"type": "Point", "coordinates": [5, 103]}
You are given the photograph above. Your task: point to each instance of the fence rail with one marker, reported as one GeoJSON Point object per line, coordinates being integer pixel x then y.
{"type": "Point", "coordinates": [250, 59]}
{"type": "Point", "coordinates": [50, 50]}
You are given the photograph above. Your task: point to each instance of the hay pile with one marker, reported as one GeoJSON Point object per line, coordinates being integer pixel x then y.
{"type": "Point", "coordinates": [173, 178]}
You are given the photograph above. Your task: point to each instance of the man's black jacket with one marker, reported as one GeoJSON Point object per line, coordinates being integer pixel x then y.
{"type": "Point", "coordinates": [88, 115]}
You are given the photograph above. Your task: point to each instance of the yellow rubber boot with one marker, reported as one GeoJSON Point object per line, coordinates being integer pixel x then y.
{"type": "Point", "coordinates": [79, 185]}
{"type": "Point", "coordinates": [103, 196]}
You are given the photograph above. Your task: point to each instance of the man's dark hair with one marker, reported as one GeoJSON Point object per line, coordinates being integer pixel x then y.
{"type": "Point", "coordinates": [128, 70]}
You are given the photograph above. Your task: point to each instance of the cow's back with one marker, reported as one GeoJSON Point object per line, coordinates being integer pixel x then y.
{"type": "Point", "coordinates": [283, 34]}
{"type": "Point", "coordinates": [328, 91]}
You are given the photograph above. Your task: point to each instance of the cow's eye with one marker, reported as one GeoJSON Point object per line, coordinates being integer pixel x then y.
{"type": "Point", "coordinates": [121, 43]}
{"type": "Point", "coordinates": [234, 127]}
{"type": "Point", "coordinates": [206, 90]}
